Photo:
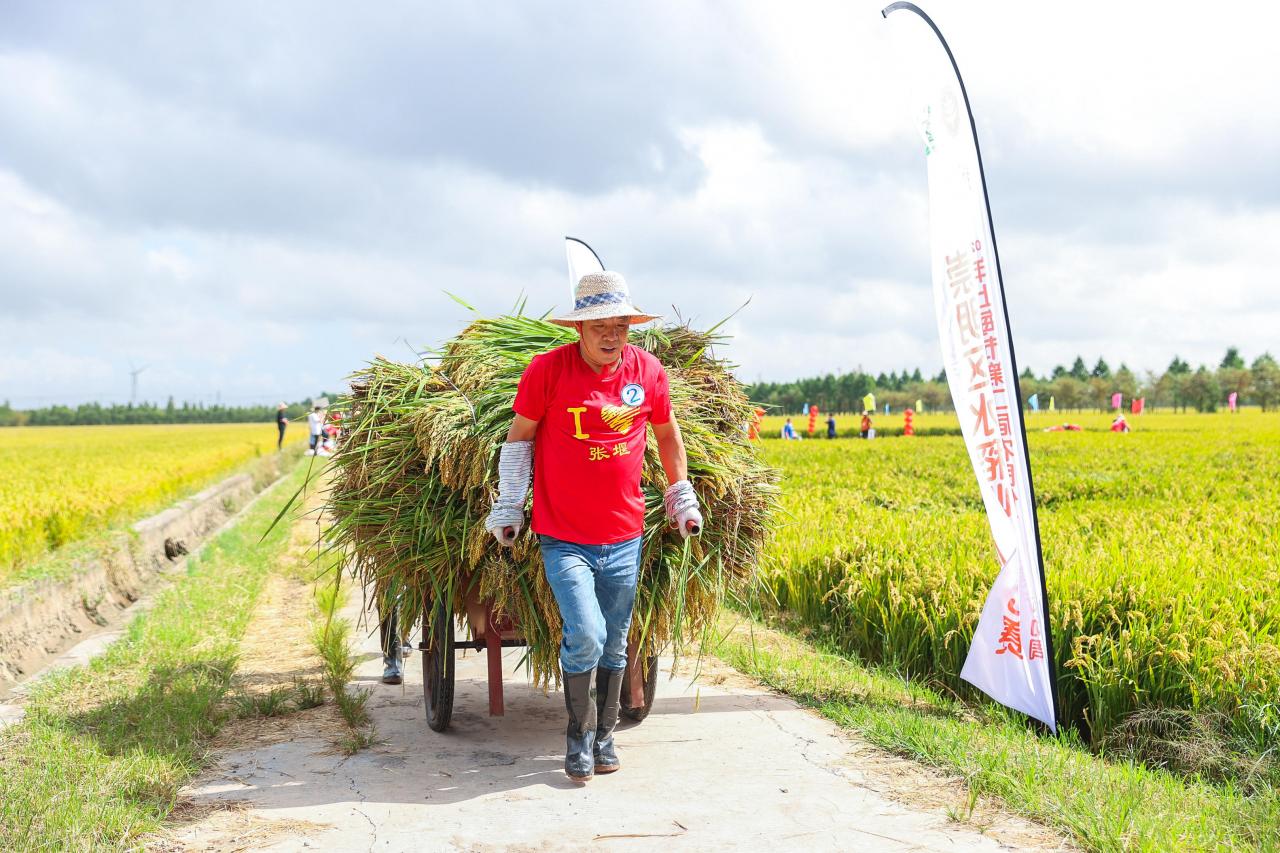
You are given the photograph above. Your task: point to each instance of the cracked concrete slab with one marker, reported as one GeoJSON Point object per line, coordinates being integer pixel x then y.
{"type": "Point", "coordinates": [724, 766]}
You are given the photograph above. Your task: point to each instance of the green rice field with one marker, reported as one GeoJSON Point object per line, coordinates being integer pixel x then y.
{"type": "Point", "coordinates": [1161, 546]}
{"type": "Point", "coordinates": [64, 483]}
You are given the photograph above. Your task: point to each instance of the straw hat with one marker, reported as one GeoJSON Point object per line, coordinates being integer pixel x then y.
{"type": "Point", "coordinates": [600, 295]}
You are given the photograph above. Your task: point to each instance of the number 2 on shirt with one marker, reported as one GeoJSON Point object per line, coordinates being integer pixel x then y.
{"type": "Point", "coordinates": [632, 395]}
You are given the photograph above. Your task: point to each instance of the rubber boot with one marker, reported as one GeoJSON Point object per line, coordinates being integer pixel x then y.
{"type": "Point", "coordinates": [608, 698]}
{"type": "Point", "coordinates": [579, 699]}
{"type": "Point", "coordinates": [392, 667]}
{"type": "Point", "coordinates": [392, 671]}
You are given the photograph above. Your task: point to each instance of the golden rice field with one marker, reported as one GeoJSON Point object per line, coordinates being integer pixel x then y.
{"type": "Point", "coordinates": [1162, 550]}
{"type": "Point", "coordinates": [62, 483]}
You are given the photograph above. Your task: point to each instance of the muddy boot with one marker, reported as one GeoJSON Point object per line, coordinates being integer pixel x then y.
{"type": "Point", "coordinates": [608, 698]}
{"type": "Point", "coordinates": [579, 763]}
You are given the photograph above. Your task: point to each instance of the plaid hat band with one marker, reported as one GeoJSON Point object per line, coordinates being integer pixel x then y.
{"type": "Point", "coordinates": [602, 295]}
{"type": "Point", "coordinates": [612, 297]}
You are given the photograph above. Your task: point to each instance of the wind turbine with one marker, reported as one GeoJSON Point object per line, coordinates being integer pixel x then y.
{"type": "Point", "coordinates": [133, 381]}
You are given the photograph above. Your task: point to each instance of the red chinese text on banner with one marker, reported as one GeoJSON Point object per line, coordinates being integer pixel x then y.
{"type": "Point", "coordinates": [1010, 656]}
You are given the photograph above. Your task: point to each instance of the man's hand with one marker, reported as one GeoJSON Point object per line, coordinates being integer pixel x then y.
{"type": "Point", "coordinates": [504, 523]}
{"type": "Point", "coordinates": [507, 536]}
{"type": "Point", "coordinates": [682, 508]}
{"type": "Point", "coordinates": [515, 467]}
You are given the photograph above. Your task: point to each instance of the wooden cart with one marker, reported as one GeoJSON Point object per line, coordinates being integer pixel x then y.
{"type": "Point", "coordinates": [493, 634]}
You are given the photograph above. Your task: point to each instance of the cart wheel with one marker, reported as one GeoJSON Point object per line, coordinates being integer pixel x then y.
{"type": "Point", "coordinates": [650, 687]}
{"type": "Point", "coordinates": [437, 669]}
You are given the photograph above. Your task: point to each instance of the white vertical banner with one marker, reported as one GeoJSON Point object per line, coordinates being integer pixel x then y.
{"type": "Point", "coordinates": [583, 260]}
{"type": "Point", "coordinates": [1010, 658]}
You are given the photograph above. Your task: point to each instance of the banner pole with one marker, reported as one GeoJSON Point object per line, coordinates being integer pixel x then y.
{"type": "Point", "coordinates": [588, 248]}
{"type": "Point", "coordinates": [576, 269]}
{"type": "Point", "coordinates": [1013, 361]}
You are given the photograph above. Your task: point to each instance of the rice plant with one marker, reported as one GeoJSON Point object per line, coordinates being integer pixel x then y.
{"type": "Point", "coordinates": [1162, 550]}
{"type": "Point", "coordinates": [416, 473]}
{"type": "Point", "coordinates": [63, 483]}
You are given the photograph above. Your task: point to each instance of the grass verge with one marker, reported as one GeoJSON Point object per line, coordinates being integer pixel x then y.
{"type": "Point", "coordinates": [332, 637]}
{"type": "Point", "coordinates": [1102, 804]}
{"type": "Point", "coordinates": [104, 748]}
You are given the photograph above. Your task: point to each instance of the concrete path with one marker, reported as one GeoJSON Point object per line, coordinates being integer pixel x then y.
{"type": "Point", "coordinates": [724, 766]}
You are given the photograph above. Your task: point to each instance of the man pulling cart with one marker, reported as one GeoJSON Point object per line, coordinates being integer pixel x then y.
{"type": "Point", "coordinates": [581, 412]}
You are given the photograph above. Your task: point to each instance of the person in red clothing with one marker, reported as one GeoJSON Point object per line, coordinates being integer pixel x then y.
{"type": "Point", "coordinates": [581, 413]}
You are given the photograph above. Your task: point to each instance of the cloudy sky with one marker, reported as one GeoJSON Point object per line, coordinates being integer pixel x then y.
{"type": "Point", "coordinates": [254, 198]}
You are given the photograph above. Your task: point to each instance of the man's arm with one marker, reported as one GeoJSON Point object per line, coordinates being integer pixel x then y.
{"type": "Point", "coordinates": [515, 469]}
{"type": "Point", "coordinates": [671, 450]}
{"type": "Point", "coordinates": [679, 499]}
{"type": "Point", "coordinates": [523, 429]}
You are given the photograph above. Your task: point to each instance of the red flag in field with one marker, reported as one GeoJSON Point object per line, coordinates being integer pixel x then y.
{"type": "Point", "coordinates": [1231, 400]}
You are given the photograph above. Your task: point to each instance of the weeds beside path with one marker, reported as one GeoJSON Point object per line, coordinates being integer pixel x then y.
{"type": "Point", "coordinates": [297, 653]}
{"type": "Point", "coordinates": [104, 748]}
{"type": "Point", "coordinates": [1104, 805]}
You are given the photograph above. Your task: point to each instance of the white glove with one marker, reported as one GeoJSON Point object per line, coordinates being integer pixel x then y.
{"type": "Point", "coordinates": [515, 467]}
{"type": "Point", "coordinates": [682, 508]}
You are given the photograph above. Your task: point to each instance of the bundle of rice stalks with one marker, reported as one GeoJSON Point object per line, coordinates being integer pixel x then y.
{"type": "Point", "coordinates": [415, 476]}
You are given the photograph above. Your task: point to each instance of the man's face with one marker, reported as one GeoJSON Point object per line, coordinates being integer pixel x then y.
{"type": "Point", "coordinates": [602, 340]}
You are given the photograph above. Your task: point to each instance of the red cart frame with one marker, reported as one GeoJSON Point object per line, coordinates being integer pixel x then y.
{"type": "Point", "coordinates": [493, 633]}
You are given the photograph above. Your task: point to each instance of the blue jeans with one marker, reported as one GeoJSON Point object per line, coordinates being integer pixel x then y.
{"type": "Point", "coordinates": [595, 587]}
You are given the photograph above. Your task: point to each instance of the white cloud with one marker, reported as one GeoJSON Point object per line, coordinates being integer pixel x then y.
{"type": "Point", "coordinates": [255, 216]}
{"type": "Point", "coordinates": [54, 366]}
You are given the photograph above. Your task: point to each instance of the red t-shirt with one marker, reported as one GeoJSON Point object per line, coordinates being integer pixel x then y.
{"type": "Point", "coordinates": [589, 449]}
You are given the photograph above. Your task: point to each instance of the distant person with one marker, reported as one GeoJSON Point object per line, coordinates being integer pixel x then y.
{"type": "Point", "coordinates": [281, 420]}
{"type": "Point", "coordinates": [1119, 424]}
{"type": "Point", "coordinates": [315, 424]}
{"type": "Point", "coordinates": [831, 426]}
{"type": "Point", "coordinates": [866, 430]}
{"type": "Point", "coordinates": [332, 428]}
{"type": "Point", "coordinates": [789, 431]}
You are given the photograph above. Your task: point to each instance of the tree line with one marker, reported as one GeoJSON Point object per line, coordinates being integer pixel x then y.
{"type": "Point", "coordinates": [844, 392]}
{"type": "Point", "coordinates": [97, 414]}
{"type": "Point", "coordinates": [1074, 388]}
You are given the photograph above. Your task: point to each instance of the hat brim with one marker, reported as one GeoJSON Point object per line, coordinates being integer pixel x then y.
{"type": "Point", "coordinates": [604, 312]}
